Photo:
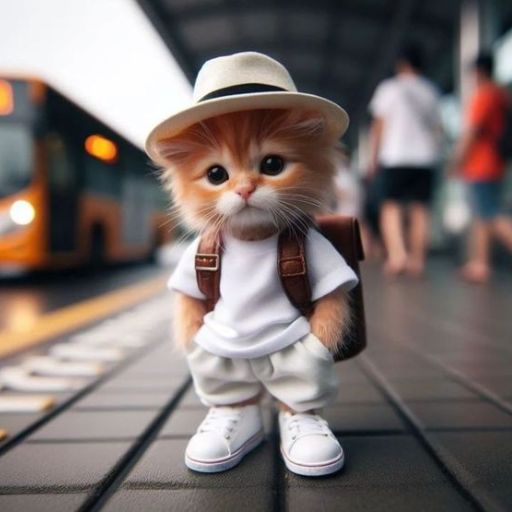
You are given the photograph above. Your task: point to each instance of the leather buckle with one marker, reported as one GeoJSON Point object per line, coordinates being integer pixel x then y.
{"type": "Point", "coordinates": [208, 262]}
{"type": "Point", "coordinates": [292, 266]}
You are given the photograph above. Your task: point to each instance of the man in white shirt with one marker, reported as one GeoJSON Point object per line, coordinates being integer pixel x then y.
{"type": "Point", "coordinates": [404, 141]}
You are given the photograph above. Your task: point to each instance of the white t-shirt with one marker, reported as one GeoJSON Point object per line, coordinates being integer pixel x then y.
{"type": "Point", "coordinates": [409, 107]}
{"type": "Point", "coordinates": [253, 316]}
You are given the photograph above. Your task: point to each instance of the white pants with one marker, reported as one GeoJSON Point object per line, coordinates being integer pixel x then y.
{"type": "Point", "coordinates": [302, 376]}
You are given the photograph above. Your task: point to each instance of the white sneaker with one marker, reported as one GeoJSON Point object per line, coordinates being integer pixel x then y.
{"type": "Point", "coordinates": [308, 446]}
{"type": "Point", "coordinates": [224, 437]}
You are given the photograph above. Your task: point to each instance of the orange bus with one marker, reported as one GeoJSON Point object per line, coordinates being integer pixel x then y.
{"type": "Point", "coordinates": [72, 191]}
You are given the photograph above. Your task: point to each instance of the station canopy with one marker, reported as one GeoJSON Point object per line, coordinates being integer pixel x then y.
{"type": "Point", "coordinates": [339, 49]}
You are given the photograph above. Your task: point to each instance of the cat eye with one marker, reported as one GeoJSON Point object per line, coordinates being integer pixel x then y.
{"type": "Point", "coordinates": [272, 165]}
{"type": "Point", "coordinates": [217, 175]}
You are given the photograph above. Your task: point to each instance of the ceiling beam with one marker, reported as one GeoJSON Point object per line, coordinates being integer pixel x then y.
{"type": "Point", "coordinates": [377, 13]}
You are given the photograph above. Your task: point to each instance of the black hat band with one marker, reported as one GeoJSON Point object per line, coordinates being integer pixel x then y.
{"type": "Point", "coordinates": [241, 89]}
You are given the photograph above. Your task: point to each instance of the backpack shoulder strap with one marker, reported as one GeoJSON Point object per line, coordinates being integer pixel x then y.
{"type": "Point", "coordinates": [293, 270]}
{"type": "Point", "coordinates": [207, 265]}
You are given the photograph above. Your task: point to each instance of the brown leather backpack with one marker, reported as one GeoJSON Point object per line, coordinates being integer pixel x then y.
{"type": "Point", "coordinates": [344, 235]}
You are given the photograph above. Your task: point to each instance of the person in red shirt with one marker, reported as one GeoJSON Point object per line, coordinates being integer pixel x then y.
{"type": "Point", "coordinates": [478, 160]}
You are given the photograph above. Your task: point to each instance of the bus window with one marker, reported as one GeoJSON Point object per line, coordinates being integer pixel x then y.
{"type": "Point", "coordinates": [136, 209]}
{"type": "Point", "coordinates": [61, 178]}
{"type": "Point", "coordinates": [15, 158]}
{"type": "Point", "coordinates": [63, 196]}
{"type": "Point", "coordinates": [102, 178]}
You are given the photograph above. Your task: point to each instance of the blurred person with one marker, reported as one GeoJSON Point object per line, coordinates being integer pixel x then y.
{"type": "Point", "coordinates": [478, 158]}
{"type": "Point", "coordinates": [347, 191]}
{"type": "Point", "coordinates": [352, 197]}
{"type": "Point", "coordinates": [404, 142]}
{"type": "Point", "coordinates": [370, 211]}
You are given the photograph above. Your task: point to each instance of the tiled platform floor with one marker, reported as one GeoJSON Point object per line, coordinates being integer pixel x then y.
{"type": "Point", "coordinates": [425, 416]}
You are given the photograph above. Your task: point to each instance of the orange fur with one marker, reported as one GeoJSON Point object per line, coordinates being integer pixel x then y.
{"type": "Point", "coordinates": [188, 314]}
{"type": "Point", "coordinates": [238, 141]}
{"type": "Point", "coordinates": [330, 318]}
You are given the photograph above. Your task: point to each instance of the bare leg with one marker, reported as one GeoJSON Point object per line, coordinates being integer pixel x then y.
{"type": "Point", "coordinates": [371, 244]}
{"type": "Point", "coordinates": [477, 269]}
{"type": "Point", "coordinates": [283, 407]}
{"type": "Point", "coordinates": [502, 228]}
{"type": "Point", "coordinates": [418, 236]}
{"type": "Point", "coordinates": [392, 234]}
{"type": "Point", "coordinates": [252, 401]}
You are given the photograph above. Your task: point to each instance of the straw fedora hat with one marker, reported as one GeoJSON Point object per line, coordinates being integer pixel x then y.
{"type": "Point", "coordinates": [244, 81]}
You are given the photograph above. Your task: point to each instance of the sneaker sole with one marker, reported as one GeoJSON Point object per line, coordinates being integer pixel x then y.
{"type": "Point", "coordinates": [314, 469]}
{"type": "Point", "coordinates": [216, 466]}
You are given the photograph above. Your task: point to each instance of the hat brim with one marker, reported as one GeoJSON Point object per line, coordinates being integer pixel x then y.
{"type": "Point", "coordinates": [336, 118]}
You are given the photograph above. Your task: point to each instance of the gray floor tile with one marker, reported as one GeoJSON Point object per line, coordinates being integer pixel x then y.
{"type": "Point", "coordinates": [482, 356]}
{"type": "Point", "coordinates": [479, 371]}
{"type": "Point", "coordinates": [191, 400]}
{"type": "Point", "coordinates": [362, 418]}
{"type": "Point", "coordinates": [161, 363]}
{"type": "Point", "coordinates": [150, 369]}
{"type": "Point", "coordinates": [107, 400]}
{"type": "Point", "coordinates": [501, 366]}
{"type": "Point", "coordinates": [461, 415]}
{"type": "Point", "coordinates": [432, 390]}
{"type": "Point", "coordinates": [349, 372]}
{"type": "Point", "coordinates": [411, 373]}
{"type": "Point", "coordinates": [254, 499]}
{"type": "Point", "coordinates": [358, 392]}
{"type": "Point", "coordinates": [59, 397]}
{"type": "Point", "coordinates": [41, 502]}
{"type": "Point", "coordinates": [58, 466]}
{"type": "Point", "coordinates": [379, 462]}
{"type": "Point", "coordinates": [424, 498]}
{"type": "Point", "coordinates": [396, 363]}
{"type": "Point", "coordinates": [85, 425]}
{"type": "Point", "coordinates": [501, 385]}
{"type": "Point", "coordinates": [403, 364]}
{"type": "Point", "coordinates": [486, 456]}
{"type": "Point", "coordinates": [182, 422]}
{"type": "Point", "coordinates": [162, 466]}
{"type": "Point", "coordinates": [146, 385]}
{"type": "Point", "coordinates": [15, 423]}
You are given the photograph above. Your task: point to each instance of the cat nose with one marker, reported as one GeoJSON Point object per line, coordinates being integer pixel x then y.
{"type": "Point", "coordinates": [245, 191]}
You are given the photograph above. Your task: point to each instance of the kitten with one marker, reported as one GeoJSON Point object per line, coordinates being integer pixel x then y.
{"type": "Point", "coordinates": [253, 174]}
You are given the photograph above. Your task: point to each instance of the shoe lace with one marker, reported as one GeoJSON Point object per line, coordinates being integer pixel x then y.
{"type": "Point", "coordinates": [307, 424]}
{"type": "Point", "coordinates": [221, 421]}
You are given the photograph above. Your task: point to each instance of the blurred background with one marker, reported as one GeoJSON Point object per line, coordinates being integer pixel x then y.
{"type": "Point", "coordinates": [82, 83]}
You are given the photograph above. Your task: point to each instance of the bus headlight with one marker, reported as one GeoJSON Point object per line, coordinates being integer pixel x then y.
{"type": "Point", "coordinates": [22, 212]}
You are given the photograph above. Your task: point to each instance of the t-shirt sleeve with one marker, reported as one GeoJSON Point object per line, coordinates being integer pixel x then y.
{"type": "Point", "coordinates": [327, 269]}
{"type": "Point", "coordinates": [381, 100]}
{"type": "Point", "coordinates": [479, 108]}
{"type": "Point", "coordinates": [183, 279]}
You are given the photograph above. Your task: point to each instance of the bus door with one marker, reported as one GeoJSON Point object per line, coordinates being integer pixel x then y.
{"type": "Point", "coordinates": [63, 194]}
{"type": "Point", "coordinates": [136, 211]}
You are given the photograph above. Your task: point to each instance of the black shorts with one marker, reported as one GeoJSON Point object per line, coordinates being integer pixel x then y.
{"type": "Point", "coordinates": [407, 184]}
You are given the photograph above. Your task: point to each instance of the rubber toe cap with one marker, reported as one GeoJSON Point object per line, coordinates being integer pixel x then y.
{"type": "Point", "coordinates": [315, 450]}
{"type": "Point", "coordinates": [207, 446]}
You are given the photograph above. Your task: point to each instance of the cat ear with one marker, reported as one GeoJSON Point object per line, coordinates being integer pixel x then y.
{"type": "Point", "coordinates": [310, 125]}
{"type": "Point", "coordinates": [174, 151]}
